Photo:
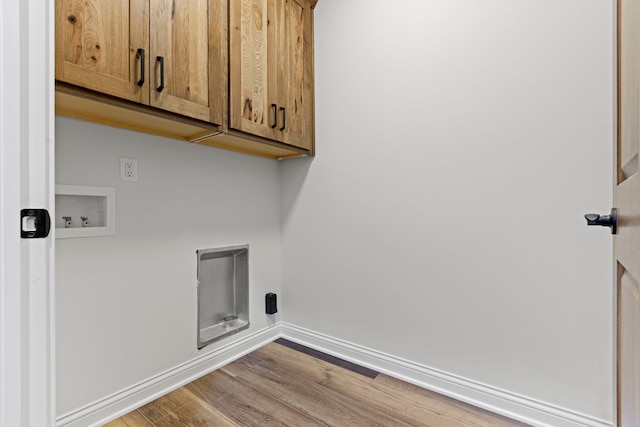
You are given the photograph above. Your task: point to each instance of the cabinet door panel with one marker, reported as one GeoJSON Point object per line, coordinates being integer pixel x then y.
{"type": "Point", "coordinates": [271, 70]}
{"type": "Point", "coordinates": [250, 106]}
{"type": "Point", "coordinates": [180, 36]}
{"type": "Point", "coordinates": [294, 87]}
{"type": "Point", "coordinates": [97, 44]}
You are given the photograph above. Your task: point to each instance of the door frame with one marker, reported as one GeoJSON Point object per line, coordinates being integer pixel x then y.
{"type": "Point", "coordinates": [614, 171]}
{"type": "Point", "coordinates": [27, 362]}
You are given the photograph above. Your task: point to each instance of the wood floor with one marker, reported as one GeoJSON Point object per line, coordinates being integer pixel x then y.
{"type": "Point", "coordinates": [285, 384]}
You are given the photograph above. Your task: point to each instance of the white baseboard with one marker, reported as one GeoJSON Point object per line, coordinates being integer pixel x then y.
{"type": "Point", "coordinates": [515, 406]}
{"type": "Point", "coordinates": [503, 402]}
{"type": "Point", "coordinates": [118, 404]}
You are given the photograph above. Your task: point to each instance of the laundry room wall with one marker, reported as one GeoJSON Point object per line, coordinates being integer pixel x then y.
{"type": "Point", "coordinates": [126, 305]}
{"type": "Point", "coordinates": [459, 144]}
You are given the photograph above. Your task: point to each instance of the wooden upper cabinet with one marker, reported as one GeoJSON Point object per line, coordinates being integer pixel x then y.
{"type": "Point", "coordinates": [249, 102]}
{"type": "Point", "coordinates": [295, 81]}
{"type": "Point", "coordinates": [235, 74]}
{"type": "Point", "coordinates": [158, 52]}
{"type": "Point", "coordinates": [271, 70]}
{"type": "Point", "coordinates": [100, 45]}
{"type": "Point", "coordinates": [179, 48]}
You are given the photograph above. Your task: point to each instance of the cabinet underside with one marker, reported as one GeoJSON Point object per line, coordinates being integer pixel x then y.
{"type": "Point", "coordinates": [84, 104]}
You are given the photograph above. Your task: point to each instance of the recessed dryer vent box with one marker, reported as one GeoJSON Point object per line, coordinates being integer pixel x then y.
{"type": "Point", "coordinates": [223, 292]}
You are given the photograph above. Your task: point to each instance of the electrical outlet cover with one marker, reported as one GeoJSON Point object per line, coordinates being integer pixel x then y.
{"type": "Point", "coordinates": [128, 169]}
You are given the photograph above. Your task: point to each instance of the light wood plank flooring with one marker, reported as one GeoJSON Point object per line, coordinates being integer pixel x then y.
{"type": "Point", "coordinates": [285, 384]}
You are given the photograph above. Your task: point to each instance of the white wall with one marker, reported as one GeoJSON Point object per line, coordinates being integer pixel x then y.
{"type": "Point", "coordinates": [126, 304]}
{"type": "Point", "coordinates": [459, 145]}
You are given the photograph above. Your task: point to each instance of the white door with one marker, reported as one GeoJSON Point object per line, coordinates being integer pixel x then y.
{"type": "Point", "coordinates": [26, 181]}
{"type": "Point", "coordinates": [627, 199]}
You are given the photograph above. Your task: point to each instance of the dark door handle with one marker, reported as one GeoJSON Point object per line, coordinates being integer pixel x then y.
{"type": "Point", "coordinates": [284, 118]}
{"type": "Point", "coordinates": [610, 220]}
{"type": "Point", "coordinates": [141, 55]}
{"type": "Point", "coordinates": [275, 116]}
{"type": "Point", "coordinates": [161, 60]}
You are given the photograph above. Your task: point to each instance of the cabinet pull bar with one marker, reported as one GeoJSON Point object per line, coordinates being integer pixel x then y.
{"type": "Point", "coordinates": [141, 55]}
{"type": "Point", "coordinates": [161, 60]}
{"type": "Point", "coordinates": [275, 116]}
{"type": "Point", "coordinates": [284, 118]}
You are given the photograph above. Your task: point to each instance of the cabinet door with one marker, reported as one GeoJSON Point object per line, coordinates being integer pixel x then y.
{"type": "Point", "coordinates": [98, 45]}
{"type": "Point", "coordinates": [271, 70]}
{"type": "Point", "coordinates": [294, 85]}
{"type": "Point", "coordinates": [249, 103]}
{"type": "Point", "coordinates": [179, 60]}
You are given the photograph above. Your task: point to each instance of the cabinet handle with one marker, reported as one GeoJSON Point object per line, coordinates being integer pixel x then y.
{"type": "Point", "coordinates": [275, 116]}
{"type": "Point", "coordinates": [161, 60]}
{"type": "Point", "coordinates": [284, 118]}
{"type": "Point", "coordinates": [141, 55]}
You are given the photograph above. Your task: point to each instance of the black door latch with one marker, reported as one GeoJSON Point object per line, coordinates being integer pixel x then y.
{"type": "Point", "coordinates": [34, 223]}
